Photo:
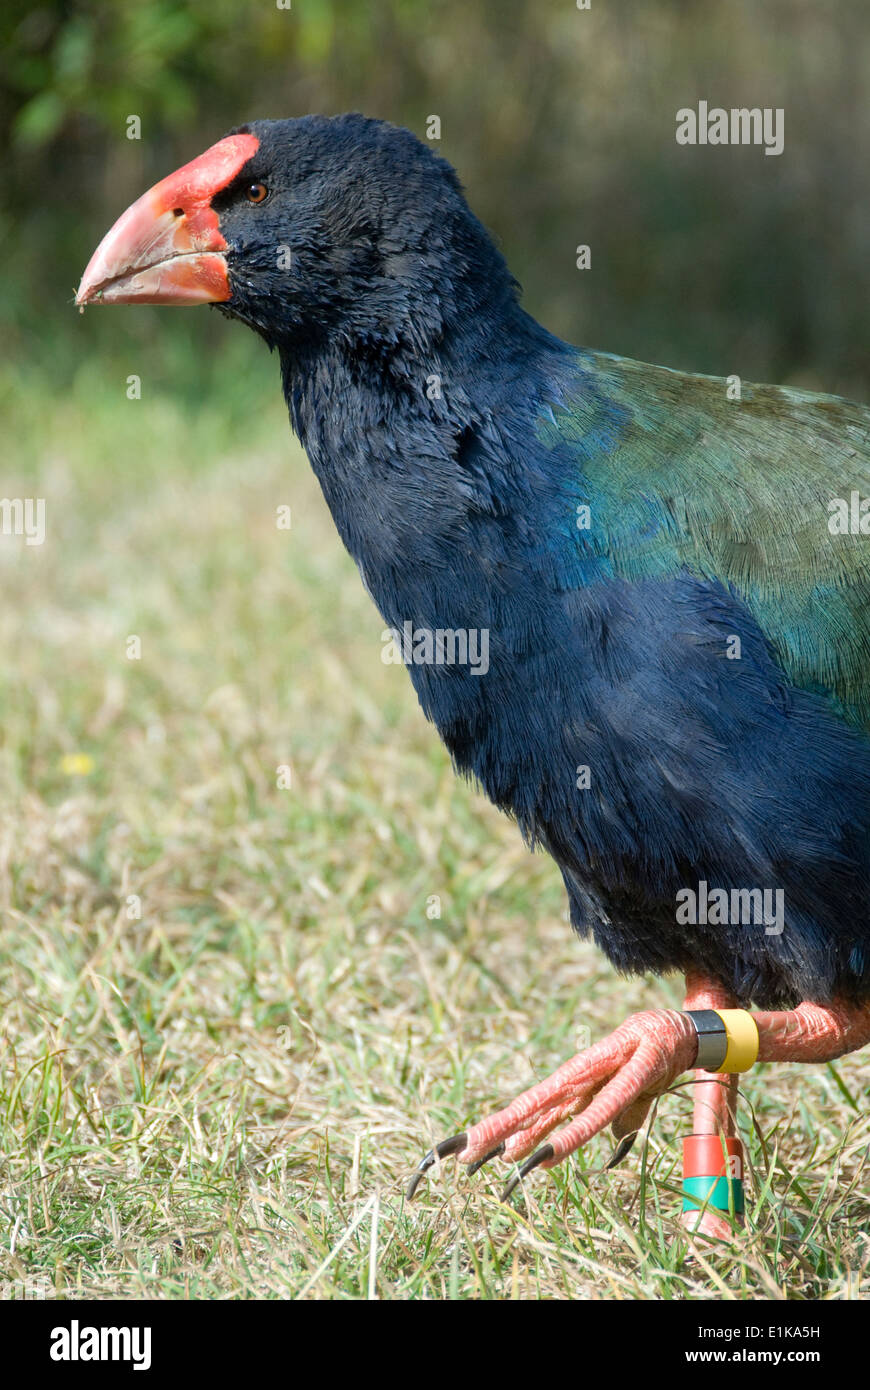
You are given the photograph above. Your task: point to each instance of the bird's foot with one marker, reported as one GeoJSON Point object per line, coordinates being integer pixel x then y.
{"type": "Point", "coordinates": [613, 1082]}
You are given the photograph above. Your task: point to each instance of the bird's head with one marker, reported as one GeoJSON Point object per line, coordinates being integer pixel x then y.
{"type": "Point", "coordinates": [339, 227]}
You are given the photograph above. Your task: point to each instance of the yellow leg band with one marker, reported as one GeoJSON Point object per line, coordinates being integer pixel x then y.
{"type": "Point", "coordinates": [742, 1034]}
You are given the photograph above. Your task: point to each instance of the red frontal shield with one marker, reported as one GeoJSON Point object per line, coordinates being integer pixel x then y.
{"type": "Point", "coordinates": [167, 247]}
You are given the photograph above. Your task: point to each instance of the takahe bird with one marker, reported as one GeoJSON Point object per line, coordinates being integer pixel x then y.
{"type": "Point", "coordinates": [671, 573]}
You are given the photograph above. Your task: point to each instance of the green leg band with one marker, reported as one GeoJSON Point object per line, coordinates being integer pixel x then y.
{"type": "Point", "coordinates": [713, 1193]}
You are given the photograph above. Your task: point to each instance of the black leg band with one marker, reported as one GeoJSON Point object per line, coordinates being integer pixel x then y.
{"type": "Point", "coordinates": [712, 1038]}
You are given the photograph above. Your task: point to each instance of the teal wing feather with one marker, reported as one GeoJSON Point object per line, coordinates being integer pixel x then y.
{"type": "Point", "coordinates": [678, 476]}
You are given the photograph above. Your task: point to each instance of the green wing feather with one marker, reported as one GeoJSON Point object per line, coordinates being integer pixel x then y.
{"type": "Point", "coordinates": [677, 475]}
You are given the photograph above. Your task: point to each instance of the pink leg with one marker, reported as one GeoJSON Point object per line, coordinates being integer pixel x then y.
{"type": "Point", "coordinates": [813, 1032]}
{"type": "Point", "coordinates": [715, 1093]}
{"type": "Point", "coordinates": [615, 1081]}
{"type": "Point", "coordinates": [715, 1100]}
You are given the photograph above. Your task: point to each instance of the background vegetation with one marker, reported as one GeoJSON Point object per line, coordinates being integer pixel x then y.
{"type": "Point", "coordinates": [561, 124]}
{"type": "Point", "coordinates": [202, 1100]}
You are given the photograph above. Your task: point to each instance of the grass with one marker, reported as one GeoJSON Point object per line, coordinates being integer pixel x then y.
{"type": "Point", "coordinates": [232, 1018]}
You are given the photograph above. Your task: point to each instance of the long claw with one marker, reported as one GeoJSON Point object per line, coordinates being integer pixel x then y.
{"type": "Point", "coordinates": [479, 1162]}
{"type": "Point", "coordinates": [539, 1156]}
{"type": "Point", "coordinates": [623, 1148]}
{"type": "Point", "coordinates": [447, 1147]}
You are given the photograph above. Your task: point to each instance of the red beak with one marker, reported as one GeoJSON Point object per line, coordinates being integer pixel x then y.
{"type": "Point", "coordinates": [167, 247]}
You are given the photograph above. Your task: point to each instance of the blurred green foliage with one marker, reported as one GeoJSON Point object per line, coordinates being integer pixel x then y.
{"type": "Point", "coordinates": [560, 121]}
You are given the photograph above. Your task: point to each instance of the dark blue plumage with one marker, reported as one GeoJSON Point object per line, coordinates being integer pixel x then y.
{"type": "Point", "coordinates": [701, 768]}
{"type": "Point", "coordinates": [461, 512]}
{"type": "Point", "coordinates": [678, 689]}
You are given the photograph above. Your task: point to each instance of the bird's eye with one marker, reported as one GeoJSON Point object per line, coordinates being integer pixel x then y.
{"type": "Point", "coordinates": [256, 192]}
